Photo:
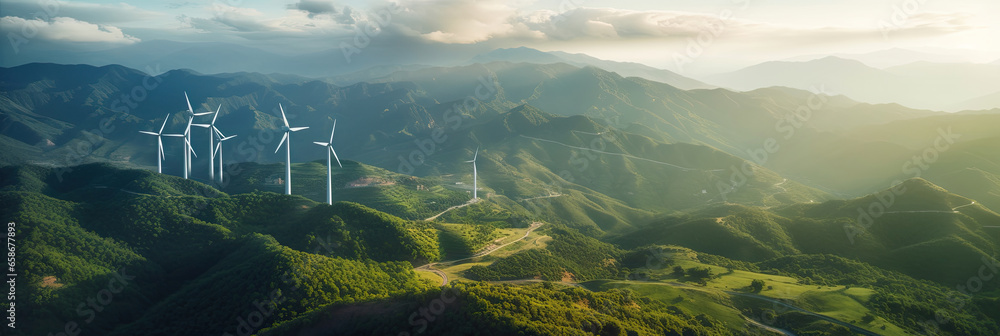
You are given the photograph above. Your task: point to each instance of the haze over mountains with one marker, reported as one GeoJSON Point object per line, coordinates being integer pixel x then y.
{"type": "Point", "coordinates": [862, 215]}
{"type": "Point", "coordinates": [920, 80]}
{"type": "Point", "coordinates": [935, 86]}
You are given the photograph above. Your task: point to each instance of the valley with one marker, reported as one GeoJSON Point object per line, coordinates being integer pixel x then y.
{"type": "Point", "coordinates": [459, 187]}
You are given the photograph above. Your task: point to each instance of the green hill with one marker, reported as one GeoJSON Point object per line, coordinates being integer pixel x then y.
{"type": "Point", "coordinates": [76, 235]}
{"type": "Point", "coordinates": [922, 231]}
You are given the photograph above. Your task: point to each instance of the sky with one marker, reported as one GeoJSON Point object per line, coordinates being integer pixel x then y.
{"type": "Point", "coordinates": [703, 36]}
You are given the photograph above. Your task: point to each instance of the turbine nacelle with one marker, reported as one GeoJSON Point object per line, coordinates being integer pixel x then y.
{"type": "Point", "coordinates": [329, 144]}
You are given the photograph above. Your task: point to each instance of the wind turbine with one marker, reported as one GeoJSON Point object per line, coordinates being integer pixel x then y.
{"type": "Point", "coordinates": [474, 175]}
{"type": "Point", "coordinates": [188, 150]}
{"type": "Point", "coordinates": [288, 149]}
{"type": "Point", "coordinates": [329, 166]}
{"type": "Point", "coordinates": [218, 149]}
{"type": "Point", "coordinates": [187, 135]}
{"type": "Point", "coordinates": [159, 140]}
{"type": "Point", "coordinates": [213, 132]}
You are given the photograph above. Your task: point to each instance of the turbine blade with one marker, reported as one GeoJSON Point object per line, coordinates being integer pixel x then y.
{"type": "Point", "coordinates": [334, 130]}
{"type": "Point", "coordinates": [188, 143]}
{"type": "Point", "coordinates": [164, 123]}
{"type": "Point", "coordinates": [321, 143]}
{"type": "Point", "coordinates": [227, 138]}
{"type": "Point", "coordinates": [216, 151]}
{"type": "Point", "coordinates": [474, 157]}
{"type": "Point", "coordinates": [216, 114]}
{"type": "Point", "coordinates": [201, 125]}
{"type": "Point", "coordinates": [285, 120]}
{"type": "Point", "coordinates": [335, 156]}
{"type": "Point", "coordinates": [159, 140]}
{"type": "Point", "coordinates": [296, 129]}
{"type": "Point", "coordinates": [202, 113]}
{"type": "Point", "coordinates": [188, 128]}
{"type": "Point", "coordinates": [148, 132]}
{"type": "Point", "coordinates": [174, 135]}
{"type": "Point", "coordinates": [283, 138]}
{"type": "Point", "coordinates": [216, 130]}
{"type": "Point", "coordinates": [189, 102]}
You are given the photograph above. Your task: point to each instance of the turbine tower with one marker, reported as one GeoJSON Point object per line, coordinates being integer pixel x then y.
{"type": "Point", "coordinates": [159, 140]}
{"type": "Point", "coordinates": [212, 130]}
{"type": "Point", "coordinates": [329, 166]}
{"type": "Point", "coordinates": [288, 149]}
{"type": "Point", "coordinates": [475, 187]}
{"type": "Point", "coordinates": [187, 135]}
{"type": "Point", "coordinates": [188, 150]}
{"type": "Point", "coordinates": [218, 149]}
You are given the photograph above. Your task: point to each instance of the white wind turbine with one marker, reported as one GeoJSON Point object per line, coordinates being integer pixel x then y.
{"type": "Point", "coordinates": [288, 149]}
{"type": "Point", "coordinates": [474, 175]}
{"type": "Point", "coordinates": [187, 135]}
{"type": "Point", "coordinates": [159, 140]}
{"type": "Point", "coordinates": [329, 166]}
{"type": "Point", "coordinates": [218, 149]}
{"type": "Point", "coordinates": [188, 150]}
{"type": "Point", "coordinates": [213, 132]}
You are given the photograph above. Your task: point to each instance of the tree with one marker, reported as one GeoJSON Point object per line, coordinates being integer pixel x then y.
{"type": "Point", "coordinates": [678, 271]}
{"type": "Point", "coordinates": [757, 285]}
{"type": "Point", "coordinates": [700, 273]}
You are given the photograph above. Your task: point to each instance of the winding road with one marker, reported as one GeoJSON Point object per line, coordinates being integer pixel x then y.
{"type": "Point", "coordinates": [540, 197]}
{"type": "Point", "coordinates": [444, 277]}
{"type": "Point", "coordinates": [953, 210]}
{"type": "Point", "coordinates": [452, 208]}
{"type": "Point", "coordinates": [853, 328]}
{"type": "Point", "coordinates": [621, 154]}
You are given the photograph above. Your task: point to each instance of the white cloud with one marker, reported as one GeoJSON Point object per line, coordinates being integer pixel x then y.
{"type": "Point", "coordinates": [459, 21]}
{"type": "Point", "coordinates": [83, 11]}
{"type": "Point", "coordinates": [472, 21]}
{"type": "Point", "coordinates": [314, 7]}
{"type": "Point", "coordinates": [65, 29]}
{"type": "Point", "coordinates": [253, 24]}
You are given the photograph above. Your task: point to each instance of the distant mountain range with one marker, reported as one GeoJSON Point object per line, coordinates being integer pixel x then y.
{"type": "Point", "coordinates": [879, 208]}
{"type": "Point", "coordinates": [986, 102]}
{"type": "Point", "coordinates": [52, 114]}
{"type": "Point", "coordinates": [890, 57]}
{"type": "Point", "coordinates": [923, 85]}
{"type": "Point", "coordinates": [160, 55]}
{"type": "Point", "coordinates": [625, 69]}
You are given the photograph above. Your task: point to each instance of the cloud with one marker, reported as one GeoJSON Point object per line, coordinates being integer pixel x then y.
{"type": "Point", "coordinates": [83, 11]}
{"type": "Point", "coordinates": [459, 21]}
{"type": "Point", "coordinates": [252, 24]}
{"type": "Point", "coordinates": [65, 29]}
{"type": "Point", "coordinates": [472, 21]}
{"type": "Point", "coordinates": [314, 7]}
{"type": "Point", "coordinates": [929, 24]}
{"type": "Point", "coordinates": [506, 23]}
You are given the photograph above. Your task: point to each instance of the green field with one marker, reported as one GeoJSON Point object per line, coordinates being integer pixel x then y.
{"type": "Point", "coordinates": [717, 296]}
